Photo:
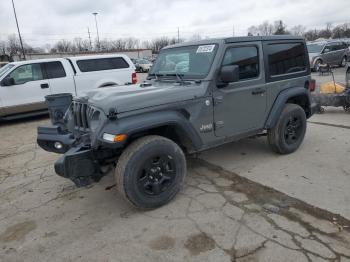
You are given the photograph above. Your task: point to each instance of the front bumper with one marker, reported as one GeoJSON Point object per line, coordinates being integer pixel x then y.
{"type": "Point", "coordinates": [78, 164]}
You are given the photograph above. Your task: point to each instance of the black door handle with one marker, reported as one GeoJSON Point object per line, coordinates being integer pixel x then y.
{"type": "Point", "coordinates": [258, 91]}
{"type": "Point", "coordinates": [45, 85]}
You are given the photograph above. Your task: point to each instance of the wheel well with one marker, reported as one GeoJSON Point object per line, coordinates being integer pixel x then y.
{"type": "Point", "coordinates": [302, 101]}
{"type": "Point", "coordinates": [171, 132]}
{"type": "Point", "coordinates": [107, 84]}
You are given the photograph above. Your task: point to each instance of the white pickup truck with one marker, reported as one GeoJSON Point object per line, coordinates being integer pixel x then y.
{"type": "Point", "coordinates": [24, 85]}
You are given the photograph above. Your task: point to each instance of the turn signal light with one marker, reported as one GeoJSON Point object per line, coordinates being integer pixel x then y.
{"type": "Point", "coordinates": [114, 138]}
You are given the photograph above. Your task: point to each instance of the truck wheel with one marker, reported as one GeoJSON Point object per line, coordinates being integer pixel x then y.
{"type": "Point", "coordinates": [289, 131]}
{"type": "Point", "coordinates": [150, 171]}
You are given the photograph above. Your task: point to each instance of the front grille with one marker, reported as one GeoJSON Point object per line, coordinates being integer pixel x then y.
{"type": "Point", "coordinates": [82, 113]}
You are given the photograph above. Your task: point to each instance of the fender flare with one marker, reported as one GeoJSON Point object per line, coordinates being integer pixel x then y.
{"type": "Point", "coordinates": [282, 99]}
{"type": "Point", "coordinates": [139, 123]}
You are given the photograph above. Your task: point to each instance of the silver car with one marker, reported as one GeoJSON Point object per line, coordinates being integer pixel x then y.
{"type": "Point", "coordinates": [328, 52]}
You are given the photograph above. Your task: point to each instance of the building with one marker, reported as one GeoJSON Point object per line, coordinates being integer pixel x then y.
{"type": "Point", "coordinates": [134, 53]}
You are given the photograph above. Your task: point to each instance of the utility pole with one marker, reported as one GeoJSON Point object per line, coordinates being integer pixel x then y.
{"type": "Point", "coordinates": [98, 36]}
{"type": "Point", "coordinates": [19, 33]}
{"type": "Point", "coordinates": [178, 35]}
{"type": "Point", "coordinates": [233, 30]}
{"type": "Point", "coordinates": [90, 38]}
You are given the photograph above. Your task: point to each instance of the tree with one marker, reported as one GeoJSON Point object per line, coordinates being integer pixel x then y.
{"type": "Point", "coordinates": [63, 46]}
{"type": "Point", "coordinates": [298, 30]}
{"type": "Point", "coordinates": [280, 28]}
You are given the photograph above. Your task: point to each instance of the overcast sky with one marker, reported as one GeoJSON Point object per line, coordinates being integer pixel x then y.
{"type": "Point", "coordinates": [47, 21]}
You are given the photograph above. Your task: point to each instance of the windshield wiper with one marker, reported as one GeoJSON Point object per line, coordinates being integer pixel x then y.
{"type": "Point", "coordinates": [178, 76]}
{"type": "Point", "coordinates": [156, 75]}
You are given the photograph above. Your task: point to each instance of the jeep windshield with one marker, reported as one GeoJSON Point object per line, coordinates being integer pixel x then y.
{"type": "Point", "coordinates": [187, 62]}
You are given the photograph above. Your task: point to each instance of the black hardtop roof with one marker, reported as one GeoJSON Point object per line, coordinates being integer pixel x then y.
{"type": "Point", "coordinates": [238, 39]}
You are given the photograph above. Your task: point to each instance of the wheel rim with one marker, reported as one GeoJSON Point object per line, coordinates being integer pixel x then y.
{"type": "Point", "coordinates": [343, 62]}
{"type": "Point", "coordinates": [317, 65]}
{"type": "Point", "coordinates": [156, 175]}
{"type": "Point", "coordinates": [293, 130]}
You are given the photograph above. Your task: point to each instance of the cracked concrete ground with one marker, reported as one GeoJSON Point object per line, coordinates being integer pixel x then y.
{"type": "Point", "coordinates": [218, 216]}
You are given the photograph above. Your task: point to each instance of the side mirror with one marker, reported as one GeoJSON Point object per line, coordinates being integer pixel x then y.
{"type": "Point", "coordinates": [229, 73]}
{"type": "Point", "coordinates": [8, 81]}
{"type": "Point", "coordinates": [326, 50]}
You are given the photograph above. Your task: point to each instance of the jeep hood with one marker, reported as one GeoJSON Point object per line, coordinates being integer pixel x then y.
{"type": "Point", "coordinates": [133, 97]}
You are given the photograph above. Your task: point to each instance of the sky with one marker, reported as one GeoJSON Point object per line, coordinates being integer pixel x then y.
{"type": "Point", "coordinates": [48, 21]}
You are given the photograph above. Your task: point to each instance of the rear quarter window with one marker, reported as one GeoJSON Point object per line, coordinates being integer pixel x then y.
{"type": "Point", "coordinates": [54, 70]}
{"type": "Point", "coordinates": [99, 64]}
{"type": "Point", "coordinates": [285, 58]}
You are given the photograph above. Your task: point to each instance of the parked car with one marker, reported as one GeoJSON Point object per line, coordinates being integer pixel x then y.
{"type": "Point", "coordinates": [143, 65]}
{"type": "Point", "coordinates": [24, 85]}
{"type": "Point", "coordinates": [332, 52]}
{"type": "Point", "coordinates": [227, 89]}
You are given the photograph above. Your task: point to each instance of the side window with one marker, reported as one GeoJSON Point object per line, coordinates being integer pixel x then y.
{"type": "Point", "coordinates": [246, 58]}
{"type": "Point", "coordinates": [335, 47]}
{"type": "Point", "coordinates": [90, 65]}
{"type": "Point", "coordinates": [286, 58]}
{"type": "Point", "coordinates": [27, 73]}
{"type": "Point", "coordinates": [54, 70]}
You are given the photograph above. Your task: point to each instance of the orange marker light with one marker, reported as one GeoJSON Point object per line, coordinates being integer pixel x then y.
{"type": "Point", "coordinates": [119, 138]}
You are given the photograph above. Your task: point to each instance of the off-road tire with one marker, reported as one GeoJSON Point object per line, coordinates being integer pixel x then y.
{"type": "Point", "coordinates": [277, 136]}
{"type": "Point", "coordinates": [133, 161]}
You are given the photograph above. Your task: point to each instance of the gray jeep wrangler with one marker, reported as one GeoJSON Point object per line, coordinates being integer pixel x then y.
{"type": "Point", "coordinates": [198, 95]}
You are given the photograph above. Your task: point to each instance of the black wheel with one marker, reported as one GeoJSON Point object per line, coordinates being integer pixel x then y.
{"type": "Point", "coordinates": [346, 108]}
{"type": "Point", "coordinates": [317, 65]}
{"type": "Point", "coordinates": [343, 62]}
{"type": "Point", "coordinates": [150, 171]}
{"type": "Point", "coordinates": [289, 131]}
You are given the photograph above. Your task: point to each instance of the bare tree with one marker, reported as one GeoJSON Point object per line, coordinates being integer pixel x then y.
{"type": "Point", "coordinates": [63, 46]}
{"type": "Point", "coordinates": [298, 30]}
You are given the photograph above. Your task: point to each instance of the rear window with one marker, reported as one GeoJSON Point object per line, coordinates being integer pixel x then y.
{"type": "Point", "coordinates": [100, 64]}
{"type": "Point", "coordinates": [54, 70]}
{"type": "Point", "coordinates": [286, 58]}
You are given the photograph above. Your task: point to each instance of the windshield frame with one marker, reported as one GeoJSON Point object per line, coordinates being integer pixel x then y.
{"type": "Point", "coordinates": [5, 69]}
{"type": "Point", "coordinates": [172, 74]}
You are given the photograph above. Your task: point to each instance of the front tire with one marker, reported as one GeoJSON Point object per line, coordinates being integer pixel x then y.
{"type": "Point", "coordinates": [317, 65]}
{"type": "Point", "coordinates": [289, 131]}
{"type": "Point", "coordinates": [343, 62]}
{"type": "Point", "coordinates": [150, 172]}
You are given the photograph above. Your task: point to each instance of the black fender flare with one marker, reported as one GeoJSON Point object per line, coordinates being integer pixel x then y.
{"type": "Point", "coordinates": [143, 122]}
{"type": "Point", "coordinates": [282, 99]}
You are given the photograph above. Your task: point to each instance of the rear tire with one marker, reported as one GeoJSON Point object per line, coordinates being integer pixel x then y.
{"type": "Point", "coordinates": [150, 172]}
{"type": "Point", "coordinates": [289, 131]}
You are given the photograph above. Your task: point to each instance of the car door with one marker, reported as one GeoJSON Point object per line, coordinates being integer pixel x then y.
{"type": "Point", "coordinates": [240, 107]}
{"type": "Point", "coordinates": [327, 54]}
{"type": "Point", "coordinates": [58, 79]}
{"type": "Point", "coordinates": [27, 91]}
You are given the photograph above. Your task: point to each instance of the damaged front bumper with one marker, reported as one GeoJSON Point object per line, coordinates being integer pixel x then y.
{"type": "Point", "coordinates": [79, 163]}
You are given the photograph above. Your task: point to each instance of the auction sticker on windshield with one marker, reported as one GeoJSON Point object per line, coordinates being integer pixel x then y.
{"type": "Point", "coordinates": [205, 48]}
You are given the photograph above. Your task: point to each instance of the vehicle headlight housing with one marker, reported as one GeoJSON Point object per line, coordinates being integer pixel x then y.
{"type": "Point", "coordinates": [95, 120]}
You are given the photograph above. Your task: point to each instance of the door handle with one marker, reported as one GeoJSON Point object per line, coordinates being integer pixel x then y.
{"type": "Point", "coordinates": [218, 100]}
{"type": "Point", "coordinates": [258, 91]}
{"type": "Point", "coordinates": [45, 85]}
